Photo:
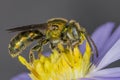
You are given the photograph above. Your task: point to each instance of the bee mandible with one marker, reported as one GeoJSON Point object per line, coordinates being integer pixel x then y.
{"type": "Point", "coordinates": [54, 31]}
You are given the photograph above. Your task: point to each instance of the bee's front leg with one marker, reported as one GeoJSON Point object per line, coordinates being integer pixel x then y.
{"type": "Point", "coordinates": [75, 43]}
{"type": "Point", "coordinates": [53, 46]}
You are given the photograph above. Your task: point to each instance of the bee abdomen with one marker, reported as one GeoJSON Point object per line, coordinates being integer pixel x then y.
{"type": "Point", "coordinates": [22, 40]}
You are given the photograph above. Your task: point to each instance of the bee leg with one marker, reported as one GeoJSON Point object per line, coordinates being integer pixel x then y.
{"type": "Point", "coordinates": [55, 46]}
{"type": "Point", "coordinates": [31, 53]}
{"type": "Point", "coordinates": [52, 46]}
{"type": "Point", "coordinates": [31, 57]}
{"type": "Point", "coordinates": [91, 44]}
{"type": "Point", "coordinates": [37, 48]}
{"type": "Point", "coordinates": [70, 44]}
{"type": "Point", "coordinates": [67, 42]}
{"type": "Point", "coordinates": [75, 43]}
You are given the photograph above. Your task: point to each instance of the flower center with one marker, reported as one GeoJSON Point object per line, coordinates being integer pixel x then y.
{"type": "Point", "coordinates": [67, 64]}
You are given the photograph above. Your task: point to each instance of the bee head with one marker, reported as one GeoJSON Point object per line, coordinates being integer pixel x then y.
{"type": "Point", "coordinates": [55, 27]}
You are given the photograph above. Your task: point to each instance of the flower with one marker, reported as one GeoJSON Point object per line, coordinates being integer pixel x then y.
{"type": "Point", "coordinates": [65, 65]}
{"type": "Point", "coordinates": [22, 76]}
{"type": "Point", "coordinates": [69, 65]}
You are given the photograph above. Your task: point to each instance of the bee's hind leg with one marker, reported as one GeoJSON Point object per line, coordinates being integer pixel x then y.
{"type": "Point", "coordinates": [37, 48]}
{"type": "Point", "coordinates": [31, 56]}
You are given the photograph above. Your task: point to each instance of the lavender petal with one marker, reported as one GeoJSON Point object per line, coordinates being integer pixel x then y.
{"type": "Point", "coordinates": [86, 79]}
{"type": "Point", "coordinates": [109, 43]}
{"type": "Point", "coordinates": [111, 56]}
{"type": "Point", "coordinates": [23, 76]}
{"type": "Point", "coordinates": [107, 78]}
{"type": "Point", "coordinates": [102, 34]}
{"type": "Point", "coordinates": [109, 72]}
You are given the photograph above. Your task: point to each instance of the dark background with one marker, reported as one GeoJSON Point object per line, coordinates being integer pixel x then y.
{"type": "Point", "coordinates": [90, 13]}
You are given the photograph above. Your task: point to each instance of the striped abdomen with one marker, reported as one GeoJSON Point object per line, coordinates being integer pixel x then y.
{"type": "Point", "coordinates": [22, 40]}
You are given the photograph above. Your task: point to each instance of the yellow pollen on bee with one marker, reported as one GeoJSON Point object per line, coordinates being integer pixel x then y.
{"type": "Point", "coordinates": [67, 64]}
{"type": "Point", "coordinates": [31, 34]}
{"type": "Point", "coordinates": [17, 45]}
{"type": "Point", "coordinates": [23, 39]}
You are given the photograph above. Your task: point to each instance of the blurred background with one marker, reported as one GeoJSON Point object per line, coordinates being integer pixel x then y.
{"type": "Point", "coordinates": [89, 13]}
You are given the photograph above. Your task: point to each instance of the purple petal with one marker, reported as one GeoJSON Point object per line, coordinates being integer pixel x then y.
{"type": "Point", "coordinates": [82, 47]}
{"type": "Point", "coordinates": [107, 78]}
{"type": "Point", "coordinates": [47, 54]}
{"type": "Point", "coordinates": [110, 72]}
{"type": "Point", "coordinates": [102, 34]}
{"type": "Point", "coordinates": [109, 43]}
{"type": "Point", "coordinates": [23, 76]}
{"type": "Point", "coordinates": [111, 56]}
{"type": "Point", "coordinates": [86, 79]}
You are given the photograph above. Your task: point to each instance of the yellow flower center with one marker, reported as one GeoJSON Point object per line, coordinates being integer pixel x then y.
{"type": "Point", "coordinates": [67, 64]}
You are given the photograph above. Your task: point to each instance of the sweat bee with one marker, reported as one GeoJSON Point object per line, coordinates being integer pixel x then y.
{"type": "Point", "coordinates": [54, 31]}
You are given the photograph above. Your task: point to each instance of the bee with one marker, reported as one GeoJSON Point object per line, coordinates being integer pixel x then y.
{"type": "Point", "coordinates": [54, 31]}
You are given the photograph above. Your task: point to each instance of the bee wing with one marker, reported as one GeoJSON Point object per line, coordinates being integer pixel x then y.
{"type": "Point", "coordinates": [29, 27]}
